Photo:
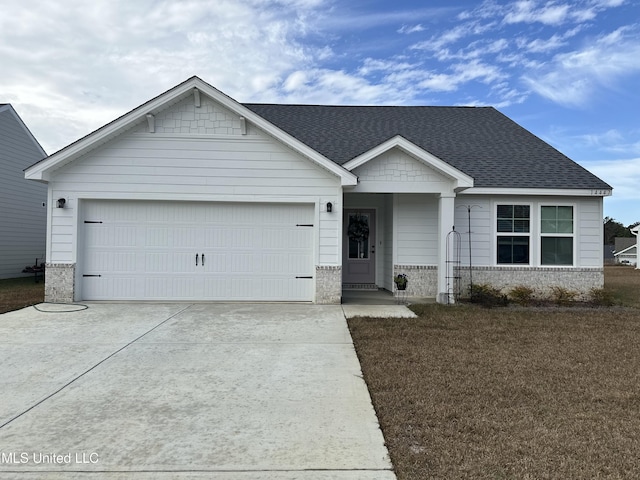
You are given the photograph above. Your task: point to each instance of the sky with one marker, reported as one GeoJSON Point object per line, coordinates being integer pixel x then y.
{"type": "Point", "coordinates": [566, 70]}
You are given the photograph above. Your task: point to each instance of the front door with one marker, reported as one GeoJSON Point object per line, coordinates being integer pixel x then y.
{"type": "Point", "coordinates": [359, 246]}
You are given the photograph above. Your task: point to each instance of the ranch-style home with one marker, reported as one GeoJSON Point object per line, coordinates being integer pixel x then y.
{"type": "Point", "coordinates": [195, 196]}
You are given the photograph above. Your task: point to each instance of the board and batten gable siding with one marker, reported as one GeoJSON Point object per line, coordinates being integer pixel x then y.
{"type": "Point", "coordinates": [588, 214]}
{"type": "Point", "coordinates": [23, 214]}
{"type": "Point", "coordinates": [217, 164]}
{"type": "Point", "coordinates": [395, 171]}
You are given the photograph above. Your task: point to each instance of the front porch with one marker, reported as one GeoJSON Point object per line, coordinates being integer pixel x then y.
{"type": "Point", "coordinates": [388, 234]}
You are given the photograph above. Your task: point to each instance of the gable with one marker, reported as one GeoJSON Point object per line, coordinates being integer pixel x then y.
{"type": "Point", "coordinates": [398, 165]}
{"type": "Point", "coordinates": [396, 171]}
{"type": "Point", "coordinates": [193, 90]}
{"type": "Point", "coordinates": [209, 118]}
{"type": "Point", "coordinates": [194, 151]}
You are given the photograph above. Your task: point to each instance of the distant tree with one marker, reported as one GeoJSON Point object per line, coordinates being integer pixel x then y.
{"type": "Point", "coordinates": [613, 229]}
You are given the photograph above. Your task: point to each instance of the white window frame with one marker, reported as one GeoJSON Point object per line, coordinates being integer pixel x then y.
{"type": "Point", "coordinates": [530, 234]}
{"type": "Point", "coordinates": [542, 235]}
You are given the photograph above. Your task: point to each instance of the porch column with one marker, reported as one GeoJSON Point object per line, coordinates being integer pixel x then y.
{"type": "Point", "coordinates": [446, 214]}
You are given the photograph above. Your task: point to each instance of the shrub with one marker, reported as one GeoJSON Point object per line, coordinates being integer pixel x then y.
{"type": "Point", "coordinates": [522, 295]}
{"type": "Point", "coordinates": [563, 296]}
{"type": "Point", "coordinates": [601, 297]}
{"type": "Point", "coordinates": [488, 296]}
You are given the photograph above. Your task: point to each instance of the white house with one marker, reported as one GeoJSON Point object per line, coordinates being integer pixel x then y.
{"type": "Point", "coordinates": [635, 230]}
{"type": "Point", "coordinates": [23, 218]}
{"type": "Point", "coordinates": [194, 196]}
{"type": "Point", "coordinates": [625, 250]}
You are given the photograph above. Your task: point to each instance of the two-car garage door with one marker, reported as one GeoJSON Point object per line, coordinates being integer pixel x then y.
{"type": "Point", "coordinates": [143, 250]}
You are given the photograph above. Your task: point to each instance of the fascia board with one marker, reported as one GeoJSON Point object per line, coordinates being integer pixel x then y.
{"type": "Point", "coordinates": [463, 180]}
{"type": "Point", "coordinates": [557, 192]}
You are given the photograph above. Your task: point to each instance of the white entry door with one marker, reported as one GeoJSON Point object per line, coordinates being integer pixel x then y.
{"type": "Point", "coordinates": [138, 250]}
{"type": "Point", "coordinates": [359, 246]}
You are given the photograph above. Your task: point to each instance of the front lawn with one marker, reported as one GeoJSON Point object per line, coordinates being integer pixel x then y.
{"type": "Point", "coordinates": [468, 392]}
{"type": "Point", "coordinates": [16, 293]}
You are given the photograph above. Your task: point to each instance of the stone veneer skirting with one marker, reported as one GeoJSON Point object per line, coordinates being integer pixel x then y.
{"type": "Point", "coordinates": [328, 284]}
{"type": "Point", "coordinates": [422, 279]}
{"type": "Point", "coordinates": [540, 279]}
{"type": "Point", "coordinates": [59, 282]}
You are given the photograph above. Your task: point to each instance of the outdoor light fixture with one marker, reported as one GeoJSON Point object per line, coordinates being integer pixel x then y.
{"type": "Point", "coordinates": [61, 202]}
{"type": "Point", "coordinates": [329, 207]}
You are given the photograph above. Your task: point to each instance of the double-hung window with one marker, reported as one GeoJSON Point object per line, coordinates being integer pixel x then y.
{"type": "Point", "coordinates": [513, 241]}
{"type": "Point", "coordinates": [556, 235]}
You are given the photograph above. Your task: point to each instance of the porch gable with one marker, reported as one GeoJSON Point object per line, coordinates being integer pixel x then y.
{"type": "Point", "coordinates": [399, 166]}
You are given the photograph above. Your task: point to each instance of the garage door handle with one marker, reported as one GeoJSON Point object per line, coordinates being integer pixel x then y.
{"type": "Point", "coordinates": [197, 259]}
{"type": "Point", "coordinates": [203, 259]}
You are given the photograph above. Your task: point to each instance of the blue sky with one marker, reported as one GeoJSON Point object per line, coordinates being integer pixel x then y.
{"type": "Point", "coordinates": [568, 71]}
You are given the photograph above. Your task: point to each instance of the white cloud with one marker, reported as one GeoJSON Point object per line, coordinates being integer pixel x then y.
{"type": "Point", "coordinates": [411, 29]}
{"type": "Point", "coordinates": [90, 62]}
{"type": "Point", "coordinates": [571, 78]}
{"type": "Point", "coordinates": [622, 174]}
{"type": "Point", "coordinates": [462, 73]}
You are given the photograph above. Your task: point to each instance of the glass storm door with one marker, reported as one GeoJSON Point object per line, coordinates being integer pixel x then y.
{"type": "Point", "coordinates": [359, 246]}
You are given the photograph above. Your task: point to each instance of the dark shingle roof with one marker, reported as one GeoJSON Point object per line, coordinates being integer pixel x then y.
{"type": "Point", "coordinates": [622, 243]}
{"type": "Point", "coordinates": [479, 141]}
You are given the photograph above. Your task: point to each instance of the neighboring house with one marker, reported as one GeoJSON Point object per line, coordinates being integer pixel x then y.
{"type": "Point", "coordinates": [628, 256]}
{"type": "Point", "coordinates": [636, 231]}
{"type": "Point", "coordinates": [625, 250]}
{"type": "Point", "coordinates": [23, 213]}
{"type": "Point", "coordinates": [194, 196]}
{"type": "Point", "coordinates": [608, 254]}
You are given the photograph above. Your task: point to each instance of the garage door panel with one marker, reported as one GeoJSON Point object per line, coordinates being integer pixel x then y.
{"type": "Point", "coordinates": [147, 251]}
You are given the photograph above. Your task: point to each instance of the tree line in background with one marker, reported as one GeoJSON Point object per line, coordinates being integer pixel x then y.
{"type": "Point", "coordinates": [613, 229]}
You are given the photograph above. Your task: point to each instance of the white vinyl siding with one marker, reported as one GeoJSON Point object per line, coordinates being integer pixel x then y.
{"type": "Point", "coordinates": [416, 229]}
{"type": "Point", "coordinates": [23, 213]}
{"type": "Point", "coordinates": [387, 245]}
{"type": "Point", "coordinates": [587, 227]}
{"type": "Point", "coordinates": [477, 226]}
{"type": "Point", "coordinates": [224, 168]}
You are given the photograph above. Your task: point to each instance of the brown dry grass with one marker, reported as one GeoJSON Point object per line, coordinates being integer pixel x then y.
{"type": "Point", "coordinates": [16, 293]}
{"type": "Point", "coordinates": [624, 284]}
{"type": "Point", "coordinates": [466, 392]}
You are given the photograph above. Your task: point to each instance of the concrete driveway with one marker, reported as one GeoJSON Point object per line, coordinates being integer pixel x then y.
{"type": "Point", "coordinates": [266, 391]}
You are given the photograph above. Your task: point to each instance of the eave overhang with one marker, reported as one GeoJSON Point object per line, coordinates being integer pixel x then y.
{"type": "Point", "coordinates": [559, 192]}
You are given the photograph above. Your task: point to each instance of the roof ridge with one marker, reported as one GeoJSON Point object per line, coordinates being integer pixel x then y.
{"type": "Point", "coordinates": [360, 106]}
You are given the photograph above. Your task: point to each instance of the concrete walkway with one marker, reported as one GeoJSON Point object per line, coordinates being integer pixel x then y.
{"type": "Point", "coordinates": [268, 391]}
